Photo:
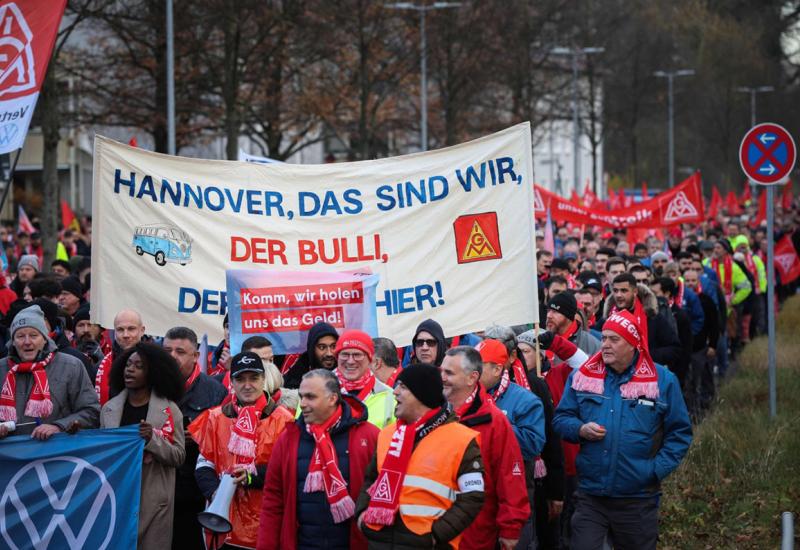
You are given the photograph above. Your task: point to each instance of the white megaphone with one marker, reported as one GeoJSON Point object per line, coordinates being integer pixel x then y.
{"type": "Point", "coordinates": [215, 518]}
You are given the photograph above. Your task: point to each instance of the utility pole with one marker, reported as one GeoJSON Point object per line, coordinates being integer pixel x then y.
{"type": "Point", "coordinates": [423, 47]}
{"type": "Point", "coordinates": [170, 80]}
{"type": "Point", "coordinates": [670, 76]}
{"type": "Point", "coordinates": [576, 129]}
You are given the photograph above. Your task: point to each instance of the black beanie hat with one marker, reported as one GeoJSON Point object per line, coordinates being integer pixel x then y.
{"type": "Point", "coordinates": [425, 382]}
{"type": "Point", "coordinates": [82, 314]}
{"type": "Point", "coordinates": [72, 285]}
{"type": "Point", "coordinates": [565, 304]}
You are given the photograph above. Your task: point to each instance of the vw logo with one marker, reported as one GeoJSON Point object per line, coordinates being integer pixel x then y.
{"type": "Point", "coordinates": [49, 495]}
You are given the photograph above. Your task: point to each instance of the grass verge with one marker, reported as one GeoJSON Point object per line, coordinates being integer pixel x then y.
{"type": "Point", "coordinates": [743, 469]}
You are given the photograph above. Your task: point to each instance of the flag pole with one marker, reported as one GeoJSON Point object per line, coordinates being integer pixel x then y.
{"type": "Point", "coordinates": [538, 358]}
{"type": "Point", "coordinates": [10, 177]}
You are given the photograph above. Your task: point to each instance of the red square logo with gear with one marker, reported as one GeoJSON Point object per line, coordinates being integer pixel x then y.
{"type": "Point", "coordinates": [477, 238]}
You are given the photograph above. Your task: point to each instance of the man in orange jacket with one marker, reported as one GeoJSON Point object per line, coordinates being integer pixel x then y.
{"type": "Point", "coordinates": [237, 439]}
{"type": "Point", "coordinates": [506, 508]}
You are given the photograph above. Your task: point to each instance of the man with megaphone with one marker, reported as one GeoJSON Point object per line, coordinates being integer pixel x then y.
{"type": "Point", "coordinates": [236, 441]}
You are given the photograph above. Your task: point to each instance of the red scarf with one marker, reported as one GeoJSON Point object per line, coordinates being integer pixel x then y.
{"type": "Point", "coordinates": [244, 433]}
{"type": "Point", "coordinates": [678, 298]}
{"type": "Point", "coordinates": [641, 319]}
{"type": "Point", "coordinates": [505, 381]}
{"type": "Point", "coordinates": [167, 431]}
{"type": "Point", "coordinates": [520, 376]}
{"type": "Point", "coordinates": [644, 382]}
{"type": "Point", "coordinates": [39, 404]}
{"type": "Point", "coordinates": [103, 377]}
{"type": "Point", "coordinates": [385, 492]}
{"type": "Point", "coordinates": [727, 280]}
{"type": "Point", "coordinates": [324, 473]}
{"type": "Point", "coordinates": [751, 267]}
{"type": "Point", "coordinates": [569, 333]}
{"type": "Point", "coordinates": [363, 385]}
{"type": "Point", "coordinates": [192, 377]}
{"type": "Point", "coordinates": [462, 410]}
{"type": "Point", "coordinates": [393, 378]}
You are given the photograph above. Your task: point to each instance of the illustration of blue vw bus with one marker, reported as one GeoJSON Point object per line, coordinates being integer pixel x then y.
{"type": "Point", "coordinates": [163, 241]}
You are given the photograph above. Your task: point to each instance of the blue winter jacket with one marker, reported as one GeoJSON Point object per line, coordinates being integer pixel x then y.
{"type": "Point", "coordinates": [525, 411]}
{"type": "Point", "coordinates": [644, 440]}
{"type": "Point", "coordinates": [691, 304]}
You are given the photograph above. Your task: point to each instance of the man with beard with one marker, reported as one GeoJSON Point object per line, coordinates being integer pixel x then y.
{"type": "Point", "coordinates": [319, 354]}
{"type": "Point", "coordinates": [562, 312]}
{"type": "Point", "coordinates": [86, 335]}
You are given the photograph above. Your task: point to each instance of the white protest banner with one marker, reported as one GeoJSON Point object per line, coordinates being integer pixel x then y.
{"type": "Point", "coordinates": [284, 305]}
{"type": "Point", "coordinates": [449, 232]}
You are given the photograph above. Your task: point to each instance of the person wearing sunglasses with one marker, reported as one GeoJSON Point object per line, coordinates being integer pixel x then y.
{"type": "Point", "coordinates": [428, 342]}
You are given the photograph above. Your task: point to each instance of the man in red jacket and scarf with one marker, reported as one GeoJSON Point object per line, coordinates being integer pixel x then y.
{"type": "Point", "coordinates": [316, 471]}
{"type": "Point", "coordinates": [505, 508]}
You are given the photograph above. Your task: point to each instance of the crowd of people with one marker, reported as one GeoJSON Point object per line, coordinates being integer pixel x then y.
{"type": "Point", "coordinates": [510, 437]}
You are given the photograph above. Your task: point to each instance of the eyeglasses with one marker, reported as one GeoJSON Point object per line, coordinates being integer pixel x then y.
{"type": "Point", "coordinates": [355, 356]}
{"type": "Point", "coordinates": [430, 342]}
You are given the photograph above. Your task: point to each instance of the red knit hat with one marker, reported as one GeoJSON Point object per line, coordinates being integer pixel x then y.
{"type": "Point", "coordinates": [355, 339]}
{"type": "Point", "coordinates": [624, 323]}
{"type": "Point", "coordinates": [492, 351]}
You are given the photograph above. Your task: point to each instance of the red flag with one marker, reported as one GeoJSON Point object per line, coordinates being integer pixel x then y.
{"type": "Point", "coordinates": [68, 218]}
{"type": "Point", "coordinates": [786, 261]}
{"type": "Point", "coordinates": [786, 196]}
{"type": "Point", "coordinates": [747, 194]}
{"type": "Point", "coordinates": [716, 203]}
{"type": "Point", "coordinates": [681, 204]}
{"type": "Point", "coordinates": [732, 204]}
{"type": "Point", "coordinates": [132, 142]}
{"type": "Point", "coordinates": [575, 199]}
{"type": "Point", "coordinates": [612, 199]}
{"type": "Point", "coordinates": [549, 237]}
{"type": "Point", "coordinates": [28, 34]}
{"type": "Point", "coordinates": [626, 200]}
{"type": "Point", "coordinates": [24, 223]}
{"type": "Point", "coordinates": [762, 209]}
{"type": "Point", "coordinates": [645, 194]}
{"type": "Point", "coordinates": [589, 198]}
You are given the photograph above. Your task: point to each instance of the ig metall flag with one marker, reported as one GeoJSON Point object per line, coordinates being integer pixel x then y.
{"type": "Point", "coordinates": [27, 34]}
{"type": "Point", "coordinates": [72, 491]}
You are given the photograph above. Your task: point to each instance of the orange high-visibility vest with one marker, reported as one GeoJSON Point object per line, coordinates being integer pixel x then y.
{"type": "Point", "coordinates": [431, 483]}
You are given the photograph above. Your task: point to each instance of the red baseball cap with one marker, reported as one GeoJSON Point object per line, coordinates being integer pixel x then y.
{"type": "Point", "coordinates": [492, 351]}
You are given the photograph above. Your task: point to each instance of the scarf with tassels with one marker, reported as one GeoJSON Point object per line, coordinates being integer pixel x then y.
{"type": "Point", "coordinates": [362, 385]}
{"type": "Point", "coordinates": [385, 492]}
{"type": "Point", "coordinates": [39, 404]}
{"type": "Point", "coordinates": [644, 382]}
{"type": "Point", "coordinates": [324, 473]}
{"type": "Point", "coordinates": [244, 433]}
{"type": "Point", "coordinates": [520, 376]}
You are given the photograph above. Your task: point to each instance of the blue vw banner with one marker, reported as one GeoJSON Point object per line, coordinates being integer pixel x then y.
{"type": "Point", "coordinates": [72, 491]}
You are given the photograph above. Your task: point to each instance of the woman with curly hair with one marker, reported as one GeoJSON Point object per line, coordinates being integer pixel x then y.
{"type": "Point", "coordinates": [150, 385]}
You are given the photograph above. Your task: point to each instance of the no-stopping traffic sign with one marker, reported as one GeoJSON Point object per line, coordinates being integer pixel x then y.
{"type": "Point", "coordinates": [767, 153]}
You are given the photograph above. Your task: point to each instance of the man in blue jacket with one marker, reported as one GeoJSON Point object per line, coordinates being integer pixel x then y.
{"type": "Point", "coordinates": [522, 408]}
{"type": "Point", "coordinates": [629, 417]}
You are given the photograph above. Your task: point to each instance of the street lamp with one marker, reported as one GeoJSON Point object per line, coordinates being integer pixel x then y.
{"type": "Point", "coordinates": [753, 91]}
{"type": "Point", "coordinates": [423, 9]}
{"type": "Point", "coordinates": [670, 76]}
{"type": "Point", "coordinates": [575, 53]}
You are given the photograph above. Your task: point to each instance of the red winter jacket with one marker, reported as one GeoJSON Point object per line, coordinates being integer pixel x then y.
{"type": "Point", "coordinates": [505, 506]}
{"type": "Point", "coordinates": [556, 379]}
{"type": "Point", "coordinates": [278, 526]}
